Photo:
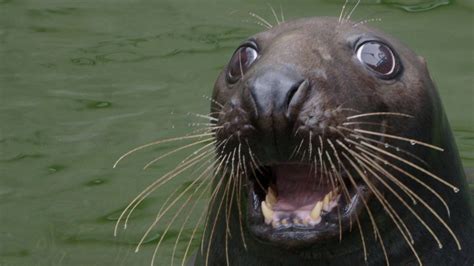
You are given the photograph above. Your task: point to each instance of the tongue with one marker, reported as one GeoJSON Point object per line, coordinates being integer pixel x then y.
{"type": "Point", "coordinates": [298, 187]}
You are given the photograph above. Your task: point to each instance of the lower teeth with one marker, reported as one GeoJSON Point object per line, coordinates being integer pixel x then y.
{"type": "Point", "coordinates": [298, 217]}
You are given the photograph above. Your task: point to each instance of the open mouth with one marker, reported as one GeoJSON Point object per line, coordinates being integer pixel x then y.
{"type": "Point", "coordinates": [299, 204]}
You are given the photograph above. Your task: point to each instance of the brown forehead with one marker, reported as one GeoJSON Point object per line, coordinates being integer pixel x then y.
{"type": "Point", "coordinates": [325, 32]}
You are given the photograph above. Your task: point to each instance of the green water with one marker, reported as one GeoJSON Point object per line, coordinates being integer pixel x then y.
{"type": "Point", "coordinates": [81, 82]}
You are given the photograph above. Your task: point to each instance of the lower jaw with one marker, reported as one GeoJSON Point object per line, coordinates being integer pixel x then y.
{"type": "Point", "coordinates": [292, 236]}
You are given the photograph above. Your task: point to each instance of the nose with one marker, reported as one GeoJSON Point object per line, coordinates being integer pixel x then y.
{"type": "Point", "coordinates": [277, 92]}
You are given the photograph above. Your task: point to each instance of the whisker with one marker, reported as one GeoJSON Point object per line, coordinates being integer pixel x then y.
{"type": "Point", "coordinates": [342, 11]}
{"type": "Point", "coordinates": [254, 167]}
{"type": "Point", "coordinates": [172, 195]}
{"type": "Point", "coordinates": [255, 163]}
{"type": "Point", "coordinates": [365, 123]}
{"type": "Point", "coordinates": [175, 216]}
{"type": "Point", "coordinates": [352, 11]}
{"type": "Point", "coordinates": [274, 14]}
{"type": "Point", "coordinates": [193, 234]}
{"type": "Point", "coordinates": [455, 189]}
{"type": "Point", "coordinates": [297, 149]}
{"type": "Point", "coordinates": [158, 142]}
{"type": "Point", "coordinates": [386, 205]}
{"type": "Point", "coordinates": [213, 101]}
{"type": "Point", "coordinates": [339, 218]}
{"type": "Point", "coordinates": [379, 114]}
{"type": "Point", "coordinates": [368, 163]}
{"type": "Point", "coordinates": [206, 148]}
{"type": "Point", "coordinates": [216, 171]}
{"type": "Point", "coordinates": [160, 215]}
{"type": "Point", "coordinates": [333, 185]}
{"type": "Point", "coordinates": [367, 21]}
{"type": "Point", "coordinates": [207, 125]}
{"type": "Point", "coordinates": [225, 144]}
{"type": "Point", "coordinates": [369, 212]}
{"type": "Point", "coordinates": [282, 15]}
{"type": "Point", "coordinates": [322, 173]}
{"type": "Point", "coordinates": [361, 232]}
{"type": "Point", "coordinates": [411, 141]}
{"type": "Point", "coordinates": [264, 21]}
{"type": "Point", "coordinates": [441, 220]}
{"type": "Point", "coordinates": [166, 178]}
{"type": "Point", "coordinates": [303, 155]}
{"type": "Point", "coordinates": [400, 184]}
{"type": "Point", "coordinates": [204, 116]}
{"type": "Point", "coordinates": [258, 23]}
{"type": "Point", "coordinates": [408, 238]}
{"type": "Point", "coordinates": [215, 221]}
{"type": "Point", "coordinates": [213, 197]}
{"type": "Point", "coordinates": [320, 153]}
{"type": "Point", "coordinates": [157, 183]}
{"type": "Point", "coordinates": [387, 145]}
{"type": "Point", "coordinates": [228, 206]}
{"type": "Point", "coordinates": [412, 177]}
{"type": "Point", "coordinates": [196, 201]}
{"type": "Point", "coordinates": [315, 166]}
{"type": "Point", "coordinates": [209, 129]}
{"type": "Point", "coordinates": [340, 108]}
{"type": "Point", "coordinates": [176, 150]}
{"type": "Point", "coordinates": [239, 195]}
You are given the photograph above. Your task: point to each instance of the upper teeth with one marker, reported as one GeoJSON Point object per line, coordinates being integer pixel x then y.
{"type": "Point", "coordinates": [312, 217]}
{"type": "Point", "coordinates": [316, 212]}
{"type": "Point", "coordinates": [271, 198]}
{"type": "Point", "coordinates": [267, 213]}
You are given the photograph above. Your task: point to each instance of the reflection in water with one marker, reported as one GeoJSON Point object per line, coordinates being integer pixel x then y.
{"type": "Point", "coordinates": [416, 5]}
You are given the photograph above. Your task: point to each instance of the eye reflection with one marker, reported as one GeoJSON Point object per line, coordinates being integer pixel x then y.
{"type": "Point", "coordinates": [378, 57]}
{"type": "Point", "coordinates": [241, 61]}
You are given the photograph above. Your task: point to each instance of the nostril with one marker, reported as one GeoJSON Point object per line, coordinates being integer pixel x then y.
{"type": "Point", "coordinates": [296, 96]}
{"type": "Point", "coordinates": [291, 93]}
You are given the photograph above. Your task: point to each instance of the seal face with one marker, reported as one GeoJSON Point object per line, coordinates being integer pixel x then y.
{"type": "Point", "coordinates": [288, 93]}
{"type": "Point", "coordinates": [329, 146]}
{"type": "Point", "coordinates": [319, 122]}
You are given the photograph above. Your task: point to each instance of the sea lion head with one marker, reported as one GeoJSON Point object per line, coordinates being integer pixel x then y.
{"type": "Point", "coordinates": [317, 119]}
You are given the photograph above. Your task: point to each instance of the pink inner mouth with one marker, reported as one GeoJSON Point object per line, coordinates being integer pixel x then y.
{"type": "Point", "coordinates": [299, 195]}
{"type": "Point", "coordinates": [298, 187]}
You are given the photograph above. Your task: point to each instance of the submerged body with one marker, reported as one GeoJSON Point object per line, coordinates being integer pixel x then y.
{"type": "Point", "coordinates": [334, 149]}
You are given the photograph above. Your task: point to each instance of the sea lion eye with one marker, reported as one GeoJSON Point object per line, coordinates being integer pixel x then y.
{"type": "Point", "coordinates": [379, 58]}
{"type": "Point", "coordinates": [242, 59]}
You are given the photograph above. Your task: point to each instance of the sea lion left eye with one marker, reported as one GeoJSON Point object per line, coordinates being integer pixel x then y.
{"type": "Point", "coordinates": [379, 58]}
{"type": "Point", "coordinates": [241, 61]}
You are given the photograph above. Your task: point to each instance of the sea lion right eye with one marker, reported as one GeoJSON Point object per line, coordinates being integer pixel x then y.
{"type": "Point", "coordinates": [241, 61]}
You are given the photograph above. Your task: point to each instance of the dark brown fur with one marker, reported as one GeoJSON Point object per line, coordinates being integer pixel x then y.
{"type": "Point", "coordinates": [321, 50]}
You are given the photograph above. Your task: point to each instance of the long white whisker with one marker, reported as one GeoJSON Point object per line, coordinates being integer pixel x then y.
{"type": "Point", "coordinates": [412, 177]}
{"type": "Point", "coordinates": [264, 21]}
{"type": "Point", "coordinates": [159, 142]}
{"type": "Point", "coordinates": [379, 114]}
{"type": "Point", "coordinates": [160, 215]}
{"type": "Point", "coordinates": [439, 179]}
{"type": "Point", "coordinates": [176, 150]}
{"type": "Point", "coordinates": [274, 14]}
{"type": "Point", "coordinates": [342, 11]}
{"type": "Point", "coordinates": [411, 141]}
{"type": "Point", "coordinates": [352, 11]}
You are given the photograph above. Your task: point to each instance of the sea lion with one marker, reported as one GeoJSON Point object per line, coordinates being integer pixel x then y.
{"type": "Point", "coordinates": [337, 152]}
{"type": "Point", "coordinates": [331, 147]}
